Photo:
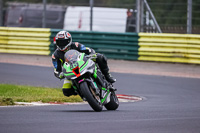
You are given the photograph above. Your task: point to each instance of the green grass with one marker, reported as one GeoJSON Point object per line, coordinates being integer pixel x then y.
{"type": "Point", "coordinates": [18, 93]}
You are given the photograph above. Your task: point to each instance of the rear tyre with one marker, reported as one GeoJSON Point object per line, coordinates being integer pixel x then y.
{"type": "Point", "coordinates": [93, 100]}
{"type": "Point", "coordinates": [114, 102]}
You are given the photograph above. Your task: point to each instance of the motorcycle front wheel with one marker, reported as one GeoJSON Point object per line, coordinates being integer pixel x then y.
{"type": "Point", "coordinates": [93, 100]}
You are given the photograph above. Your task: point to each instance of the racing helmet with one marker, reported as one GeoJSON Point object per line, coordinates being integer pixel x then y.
{"type": "Point", "coordinates": [63, 40]}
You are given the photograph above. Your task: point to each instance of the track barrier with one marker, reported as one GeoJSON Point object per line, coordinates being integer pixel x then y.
{"type": "Point", "coordinates": [25, 40]}
{"type": "Point", "coordinates": [161, 47]}
{"type": "Point", "coordinates": [181, 48]}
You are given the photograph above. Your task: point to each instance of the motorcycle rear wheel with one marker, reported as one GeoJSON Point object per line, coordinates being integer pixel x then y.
{"type": "Point", "coordinates": [91, 98]}
{"type": "Point", "coordinates": [114, 102]}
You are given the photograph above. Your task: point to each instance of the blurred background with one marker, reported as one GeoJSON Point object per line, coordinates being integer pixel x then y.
{"type": "Point", "coordinates": [171, 16]}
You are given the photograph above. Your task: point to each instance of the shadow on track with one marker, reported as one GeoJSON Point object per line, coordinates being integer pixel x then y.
{"type": "Point", "coordinates": [81, 111]}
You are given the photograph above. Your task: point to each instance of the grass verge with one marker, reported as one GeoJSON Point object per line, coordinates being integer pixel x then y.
{"type": "Point", "coordinates": [9, 94]}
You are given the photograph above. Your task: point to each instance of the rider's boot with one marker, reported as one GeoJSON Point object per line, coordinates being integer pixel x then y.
{"type": "Point", "coordinates": [102, 62]}
{"type": "Point", "coordinates": [109, 77]}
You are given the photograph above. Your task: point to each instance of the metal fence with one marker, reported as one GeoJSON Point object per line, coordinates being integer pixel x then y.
{"type": "Point", "coordinates": [171, 15]}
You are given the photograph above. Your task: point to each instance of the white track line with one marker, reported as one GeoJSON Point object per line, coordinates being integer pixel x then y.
{"type": "Point", "coordinates": [121, 97]}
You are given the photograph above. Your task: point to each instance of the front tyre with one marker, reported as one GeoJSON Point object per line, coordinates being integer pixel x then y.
{"type": "Point", "coordinates": [114, 102]}
{"type": "Point", "coordinates": [93, 100]}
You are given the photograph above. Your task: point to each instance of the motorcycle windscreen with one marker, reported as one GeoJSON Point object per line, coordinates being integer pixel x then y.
{"type": "Point", "coordinates": [71, 55]}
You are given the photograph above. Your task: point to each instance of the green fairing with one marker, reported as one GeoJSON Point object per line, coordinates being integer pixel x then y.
{"type": "Point", "coordinates": [80, 63]}
{"type": "Point", "coordinates": [103, 88]}
{"type": "Point", "coordinates": [82, 67]}
{"type": "Point", "coordinates": [102, 100]}
{"type": "Point", "coordinates": [68, 70]}
{"type": "Point", "coordinates": [95, 72]}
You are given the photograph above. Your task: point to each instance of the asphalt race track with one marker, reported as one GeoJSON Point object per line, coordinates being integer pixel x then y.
{"type": "Point", "coordinates": [169, 105]}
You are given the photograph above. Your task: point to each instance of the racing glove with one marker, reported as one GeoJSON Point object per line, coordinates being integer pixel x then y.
{"type": "Point", "coordinates": [59, 75]}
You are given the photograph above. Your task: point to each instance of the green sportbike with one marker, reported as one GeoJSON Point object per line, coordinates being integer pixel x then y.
{"type": "Point", "coordinates": [88, 81]}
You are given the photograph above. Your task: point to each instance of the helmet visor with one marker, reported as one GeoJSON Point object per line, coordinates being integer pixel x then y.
{"type": "Point", "coordinates": [62, 43]}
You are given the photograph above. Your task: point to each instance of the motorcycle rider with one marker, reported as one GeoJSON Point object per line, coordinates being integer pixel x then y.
{"type": "Point", "coordinates": [64, 43]}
